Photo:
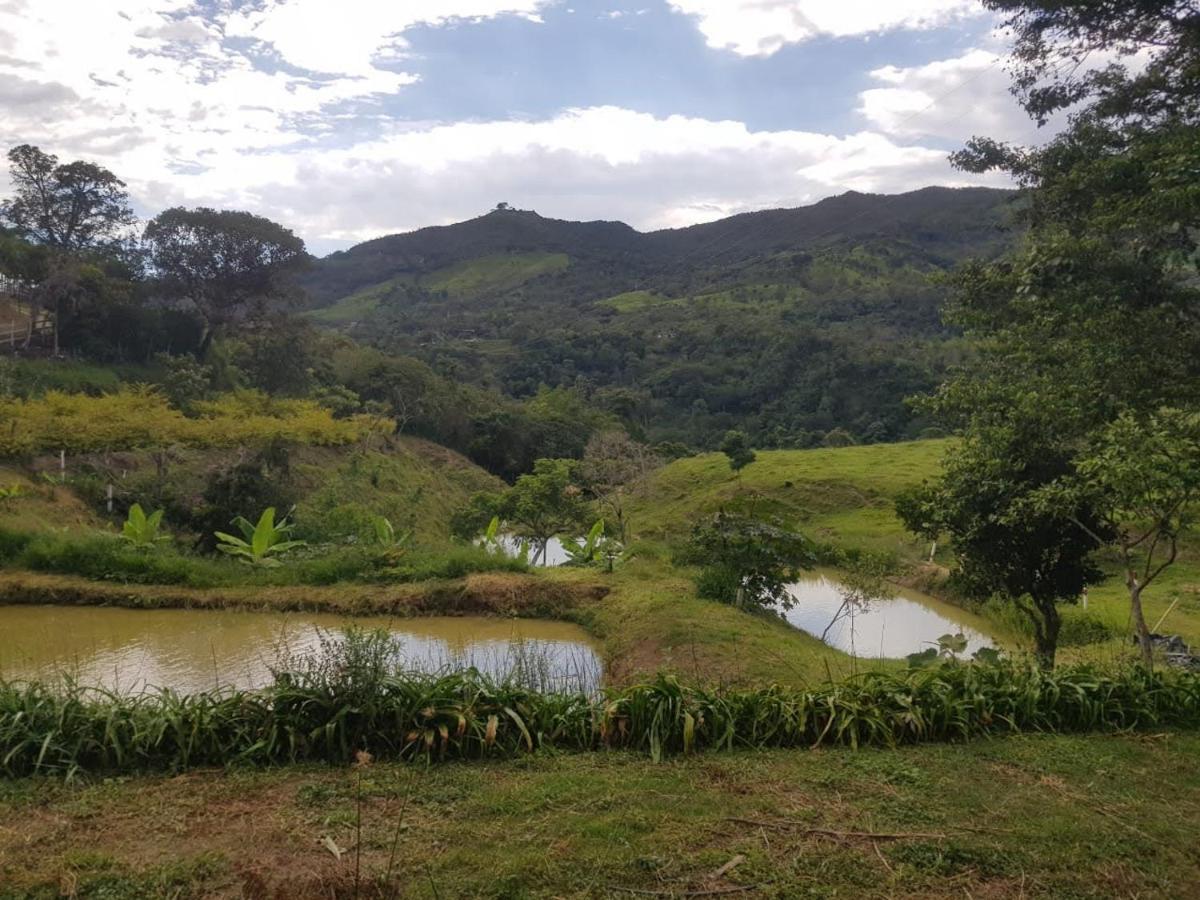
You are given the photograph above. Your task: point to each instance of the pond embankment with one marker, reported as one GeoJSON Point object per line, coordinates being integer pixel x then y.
{"type": "Point", "coordinates": [499, 594]}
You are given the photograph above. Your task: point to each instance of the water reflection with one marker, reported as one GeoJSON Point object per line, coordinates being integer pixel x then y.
{"type": "Point", "coordinates": [191, 650]}
{"type": "Point", "coordinates": [894, 626]}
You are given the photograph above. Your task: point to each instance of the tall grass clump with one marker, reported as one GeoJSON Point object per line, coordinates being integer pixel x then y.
{"type": "Point", "coordinates": [329, 707]}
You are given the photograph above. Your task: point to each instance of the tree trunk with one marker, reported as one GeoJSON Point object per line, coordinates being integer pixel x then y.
{"type": "Point", "coordinates": [206, 339]}
{"type": "Point", "coordinates": [1047, 636]}
{"type": "Point", "coordinates": [1139, 621]}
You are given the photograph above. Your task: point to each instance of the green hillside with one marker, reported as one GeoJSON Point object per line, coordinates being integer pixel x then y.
{"type": "Point", "coordinates": [493, 274]}
{"type": "Point", "coordinates": [844, 497]}
{"type": "Point", "coordinates": [785, 323]}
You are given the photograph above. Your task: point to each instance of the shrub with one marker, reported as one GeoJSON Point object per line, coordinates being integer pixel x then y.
{"type": "Point", "coordinates": [1081, 627]}
{"type": "Point", "coordinates": [139, 416]}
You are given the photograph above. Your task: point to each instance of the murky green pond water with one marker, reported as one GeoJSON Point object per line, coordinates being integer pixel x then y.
{"type": "Point", "coordinates": [191, 650]}
{"type": "Point", "coordinates": [894, 626]}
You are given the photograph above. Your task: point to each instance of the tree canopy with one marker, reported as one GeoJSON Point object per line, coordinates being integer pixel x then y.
{"type": "Point", "coordinates": [71, 207]}
{"type": "Point", "coordinates": [227, 263]}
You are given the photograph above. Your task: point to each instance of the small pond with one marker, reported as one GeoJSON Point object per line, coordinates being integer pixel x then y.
{"type": "Point", "coordinates": [555, 555]}
{"type": "Point", "coordinates": [192, 650]}
{"type": "Point", "coordinates": [894, 626]}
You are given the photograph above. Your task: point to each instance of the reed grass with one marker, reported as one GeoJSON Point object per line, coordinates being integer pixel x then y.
{"type": "Point", "coordinates": [331, 710]}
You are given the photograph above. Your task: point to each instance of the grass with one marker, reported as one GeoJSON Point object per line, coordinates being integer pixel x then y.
{"type": "Point", "coordinates": [631, 301]}
{"type": "Point", "coordinates": [495, 273]}
{"type": "Point", "coordinates": [356, 306]}
{"type": "Point", "coordinates": [844, 497]}
{"type": "Point", "coordinates": [352, 696]}
{"type": "Point", "coordinates": [1035, 816]}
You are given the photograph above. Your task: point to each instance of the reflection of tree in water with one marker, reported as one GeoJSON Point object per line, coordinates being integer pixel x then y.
{"type": "Point", "coordinates": [863, 582]}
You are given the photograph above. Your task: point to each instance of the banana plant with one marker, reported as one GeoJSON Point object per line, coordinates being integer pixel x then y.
{"type": "Point", "coordinates": [141, 530]}
{"type": "Point", "coordinates": [386, 534]}
{"type": "Point", "coordinates": [263, 542]}
{"type": "Point", "coordinates": [587, 551]}
{"type": "Point", "coordinates": [493, 542]}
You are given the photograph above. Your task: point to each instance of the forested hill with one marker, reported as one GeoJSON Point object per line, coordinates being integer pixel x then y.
{"type": "Point", "coordinates": [790, 323]}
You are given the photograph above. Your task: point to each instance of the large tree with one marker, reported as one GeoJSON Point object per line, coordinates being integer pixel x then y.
{"type": "Point", "coordinates": [74, 210]}
{"type": "Point", "coordinates": [1095, 319]}
{"type": "Point", "coordinates": [72, 207]}
{"type": "Point", "coordinates": [228, 264]}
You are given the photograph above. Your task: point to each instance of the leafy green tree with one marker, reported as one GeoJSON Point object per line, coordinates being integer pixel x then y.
{"type": "Point", "coordinates": [747, 562]}
{"type": "Point", "coordinates": [1143, 475]}
{"type": "Point", "coordinates": [226, 263]}
{"type": "Point", "coordinates": [1008, 543]}
{"type": "Point", "coordinates": [72, 209]}
{"type": "Point", "coordinates": [736, 446]}
{"type": "Point", "coordinates": [541, 505]}
{"type": "Point", "coordinates": [1087, 333]}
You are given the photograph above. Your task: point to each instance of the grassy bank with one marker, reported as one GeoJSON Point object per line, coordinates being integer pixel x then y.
{"type": "Point", "coordinates": [492, 593]}
{"type": "Point", "coordinates": [1026, 816]}
{"type": "Point", "coordinates": [844, 498]}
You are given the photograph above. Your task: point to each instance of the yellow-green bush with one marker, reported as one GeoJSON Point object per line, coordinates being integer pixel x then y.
{"type": "Point", "coordinates": [140, 417]}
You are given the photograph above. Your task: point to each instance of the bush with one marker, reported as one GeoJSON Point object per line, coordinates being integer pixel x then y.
{"type": "Point", "coordinates": [1081, 627]}
{"type": "Point", "coordinates": [139, 416]}
{"type": "Point", "coordinates": [104, 557]}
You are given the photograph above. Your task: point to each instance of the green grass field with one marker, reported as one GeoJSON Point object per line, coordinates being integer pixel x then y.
{"type": "Point", "coordinates": [845, 497]}
{"type": "Point", "coordinates": [1031, 816]}
{"type": "Point", "coordinates": [357, 306]}
{"type": "Point", "coordinates": [631, 301]}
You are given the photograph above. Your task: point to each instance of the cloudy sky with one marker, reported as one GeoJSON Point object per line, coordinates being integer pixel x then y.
{"type": "Point", "coordinates": [347, 119]}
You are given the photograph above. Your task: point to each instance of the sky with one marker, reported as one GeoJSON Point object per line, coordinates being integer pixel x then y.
{"type": "Point", "coordinates": [348, 119]}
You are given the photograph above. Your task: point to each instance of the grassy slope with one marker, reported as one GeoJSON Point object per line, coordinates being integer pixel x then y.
{"type": "Point", "coordinates": [411, 481]}
{"type": "Point", "coordinates": [500, 272]}
{"type": "Point", "coordinates": [415, 483]}
{"type": "Point", "coordinates": [356, 306]}
{"type": "Point", "coordinates": [492, 274]}
{"type": "Point", "coordinates": [1029, 816]}
{"type": "Point", "coordinates": [634, 300]}
{"type": "Point", "coordinates": [844, 497]}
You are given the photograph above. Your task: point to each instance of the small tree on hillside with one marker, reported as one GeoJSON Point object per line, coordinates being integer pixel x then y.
{"type": "Point", "coordinates": [1144, 478]}
{"type": "Point", "coordinates": [736, 446]}
{"type": "Point", "coordinates": [747, 562]}
{"type": "Point", "coordinates": [613, 466]}
{"type": "Point", "coordinates": [541, 505]}
{"type": "Point", "coordinates": [226, 263]}
{"type": "Point", "coordinates": [1008, 542]}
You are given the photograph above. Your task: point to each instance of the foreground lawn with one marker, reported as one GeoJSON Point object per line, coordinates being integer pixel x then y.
{"type": "Point", "coordinates": [1032, 816]}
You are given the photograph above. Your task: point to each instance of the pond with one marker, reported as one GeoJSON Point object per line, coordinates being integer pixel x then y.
{"type": "Point", "coordinates": [894, 626]}
{"type": "Point", "coordinates": [555, 555]}
{"type": "Point", "coordinates": [193, 650]}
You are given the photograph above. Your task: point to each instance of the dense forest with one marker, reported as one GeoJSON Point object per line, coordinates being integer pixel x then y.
{"type": "Point", "coordinates": [511, 337]}
{"type": "Point", "coordinates": [798, 326]}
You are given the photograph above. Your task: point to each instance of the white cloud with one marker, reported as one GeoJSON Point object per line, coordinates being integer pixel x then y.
{"type": "Point", "coordinates": [160, 96]}
{"type": "Point", "coordinates": [761, 27]}
{"type": "Point", "coordinates": [346, 36]}
{"type": "Point", "coordinates": [600, 162]}
{"type": "Point", "coordinates": [950, 98]}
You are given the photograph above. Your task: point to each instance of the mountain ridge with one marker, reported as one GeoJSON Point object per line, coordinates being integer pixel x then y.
{"type": "Point", "coordinates": [852, 215]}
